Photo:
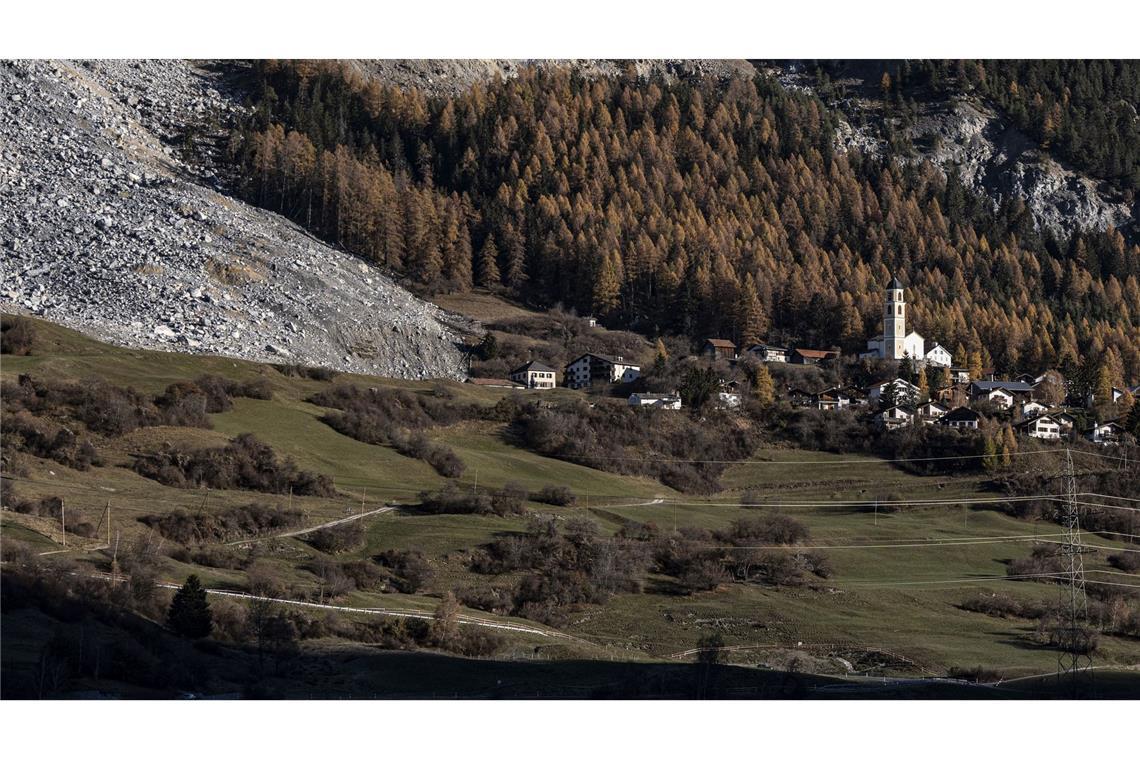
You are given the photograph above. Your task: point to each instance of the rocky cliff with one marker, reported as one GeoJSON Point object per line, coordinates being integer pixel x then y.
{"type": "Point", "coordinates": [108, 229]}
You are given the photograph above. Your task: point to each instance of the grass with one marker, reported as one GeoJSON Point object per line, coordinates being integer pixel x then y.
{"type": "Point", "coordinates": [872, 612]}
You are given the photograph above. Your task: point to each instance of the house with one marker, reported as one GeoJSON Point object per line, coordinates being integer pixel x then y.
{"type": "Point", "coordinates": [718, 348]}
{"type": "Point", "coordinates": [591, 368]}
{"type": "Point", "coordinates": [855, 395]}
{"type": "Point", "coordinates": [903, 390]}
{"type": "Point", "coordinates": [1041, 426]}
{"type": "Point", "coordinates": [656, 400]}
{"type": "Point", "coordinates": [534, 375]}
{"type": "Point", "coordinates": [766, 353]}
{"type": "Point", "coordinates": [938, 356]}
{"type": "Point", "coordinates": [831, 398]}
{"type": "Point", "coordinates": [493, 382]}
{"type": "Point", "coordinates": [1105, 433]}
{"type": "Point", "coordinates": [1027, 378]}
{"type": "Point", "coordinates": [591, 321]}
{"type": "Point", "coordinates": [1032, 409]}
{"type": "Point", "coordinates": [894, 342]}
{"type": "Point", "coordinates": [962, 417]}
{"type": "Point", "coordinates": [895, 416]}
{"type": "Point", "coordinates": [931, 411]}
{"type": "Point", "coordinates": [812, 356]}
{"type": "Point", "coordinates": [1064, 419]}
{"type": "Point", "coordinates": [1001, 392]}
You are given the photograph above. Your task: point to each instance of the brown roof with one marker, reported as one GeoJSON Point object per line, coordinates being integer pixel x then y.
{"type": "Point", "coordinates": [812, 353]}
{"type": "Point", "coordinates": [721, 343]}
{"type": "Point", "coordinates": [493, 381]}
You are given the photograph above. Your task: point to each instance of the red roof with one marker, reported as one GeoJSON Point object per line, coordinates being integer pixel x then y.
{"type": "Point", "coordinates": [812, 353]}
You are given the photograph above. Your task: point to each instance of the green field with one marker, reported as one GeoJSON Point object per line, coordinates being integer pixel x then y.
{"type": "Point", "coordinates": [891, 606]}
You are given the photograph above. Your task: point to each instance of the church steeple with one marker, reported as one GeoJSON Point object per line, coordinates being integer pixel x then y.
{"type": "Point", "coordinates": [894, 321]}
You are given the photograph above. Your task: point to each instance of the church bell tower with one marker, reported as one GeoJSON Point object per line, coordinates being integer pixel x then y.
{"type": "Point", "coordinates": [894, 321]}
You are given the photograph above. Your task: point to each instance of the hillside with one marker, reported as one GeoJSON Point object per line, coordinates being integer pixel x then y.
{"type": "Point", "coordinates": [109, 225]}
{"type": "Point", "coordinates": [903, 596]}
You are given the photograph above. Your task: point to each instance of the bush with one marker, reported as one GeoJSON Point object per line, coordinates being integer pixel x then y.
{"type": "Point", "coordinates": [418, 446]}
{"type": "Point", "coordinates": [559, 496]}
{"type": "Point", "coordinates": [244, 463]}
{"type": "Point", "coordinates": [310, 373]}
{"type": "Point", "coordinates": [17, 336]}
{"type": "Point", "coordinates": [230, 524]}
{"type": "Point", "coordinates": [1128, 562]}
{"type": "Point", "coordinates": [338, 538]}
{"type": "Point", "coordinates": [453, 500]}
{"type": "Point", "coordinates": [411, 570]}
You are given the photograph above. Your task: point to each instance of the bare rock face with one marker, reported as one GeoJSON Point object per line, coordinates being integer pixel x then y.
{"type": "Point", "coordinates": [994, 158]}
{"type": "Point", "coordinates": [106, 229]}
{"type": "Point", "coordinates": [453, 76]}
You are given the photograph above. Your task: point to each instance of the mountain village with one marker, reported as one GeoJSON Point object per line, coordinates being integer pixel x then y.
{"type": "Point", "coordinates": [930, 388]}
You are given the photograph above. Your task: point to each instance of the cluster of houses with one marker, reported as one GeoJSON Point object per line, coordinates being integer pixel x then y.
{"type": "Point", "coordinates": [892, 403]}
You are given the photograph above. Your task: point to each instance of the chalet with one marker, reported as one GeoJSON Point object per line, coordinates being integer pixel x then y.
{"type": "Point", "coordinates": [855, 395]}
{"type": "Point", "coordinates": [1001, 392]}
{"type": "Point", "coordinates": [812, 356]}
{"type": "Point", "coordinates": [656, 400]}
{"type": "Point", "coordinates": [959, 375]}
{"type": "Point", "coordinates": [931, 411]}
{"type": "Point", "coordinates": [1041, 426]}
{"type": "Point", "coordinates": [534, 375]}
{"type": "Point", "coordinates": [1033, 409]}
{"type": "Point", "coordinates": [766, 353]}
{"type": "Point", "coordinates": [718, 348]}
{"type": "Point", "coordinates": [1064, 419]}
{"type": "Point", "coordinates": [591, 368]}
{"type": "Point", "coordinates": [902, 390]}
{"type": "Point", "coordinates": [895, 416]}
{"type": "Point", "coordinates": [831, 398]}
{"type": "Point", "coordinates": [1105, 433]}
{"type": "Point", "coordinates": [962, 417]}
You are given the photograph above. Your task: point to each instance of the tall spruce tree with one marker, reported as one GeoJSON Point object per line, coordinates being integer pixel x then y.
{"type": "Point", "coordinates": [189, 613]}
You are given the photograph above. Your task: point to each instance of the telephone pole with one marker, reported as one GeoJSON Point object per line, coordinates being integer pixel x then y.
{"type": "Point", "coordinates": [1075, 656]}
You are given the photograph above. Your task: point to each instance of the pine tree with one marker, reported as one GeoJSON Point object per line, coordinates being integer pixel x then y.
{"type": "Point", "coordinates": [660, 357]}
{"type": "Point", "coordinates": [762, 386]}
{"type": "Point", "coordinates": [923, 385]}
{"type": "Point", "coordinates": [488, 264]}
{"type": "Point", "coordinates": [189, 613]}
{"type": "Point", "coordinates": [975, 365]}
{"type": "Point", "coordinates": [607, 288]}
{"type": "Point", "coordinates": [1008, 446]}
{"type": "Point", "coordinates": [750, 314]}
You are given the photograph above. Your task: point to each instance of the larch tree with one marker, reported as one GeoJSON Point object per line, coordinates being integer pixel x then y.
{"type": "Point", "coordinates": [489, 276]}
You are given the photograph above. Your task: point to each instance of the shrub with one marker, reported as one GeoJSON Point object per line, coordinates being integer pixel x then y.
{"type": "Point", "coordinates": [229, 524]}
{"type": "Point", "coordinates": [1128, 562]}
{"type": "Point", "coordinates": [17, 336]}
{"type": "Point", "coordinates": [418, 446]}
{"type": "Point", "coordinates": [337, 539]}
{"type": "Point", "coordinates": [244, 463]}
{"type": "Point", "coordinates": [559, 496]}
{"type": "Point", "coordinates": [411, 570]}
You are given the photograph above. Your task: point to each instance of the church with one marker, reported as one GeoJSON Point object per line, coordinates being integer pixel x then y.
{"type": "Point", "coordinates": [895, 342]}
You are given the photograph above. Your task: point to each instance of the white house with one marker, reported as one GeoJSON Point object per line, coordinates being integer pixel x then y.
{"type": "Point", "coordinates": [895, 416]}
{"type": "Point", "coordinates": [1033, 409]}
{"type": "Point", "coordinates": [931, 411]}
{"type": "Point", "coordinates": [903, 390]}
{"type": "Point", "coordinates": [895, 342]}
{"type": "Point", "coordinates": [535, 375]}
{"type": "Point", "coordinates": [656, 400]}
{"type": "Point", "coordinates": [766, 353]}
{"type": "Point", "coordinates": [1042, 426]}
{"type": "Point", "coordinates": [938, 356]}
{"type": "Point", "coordinates": [959, 374]}
{"type": "Point", "coordinates": [727, 399]}
{"type": "Point", "coordinates": [1105, 433]}
{"type": "Point", "coordinates": [592, 368]}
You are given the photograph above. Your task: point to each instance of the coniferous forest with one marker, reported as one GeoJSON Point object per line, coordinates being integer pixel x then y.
{"type": "Point", "coordinates": [698, 207]}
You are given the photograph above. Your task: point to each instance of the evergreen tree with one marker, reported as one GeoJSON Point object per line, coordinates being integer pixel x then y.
{"type": "Point", "coordinates": [660, 357]}
{"type": "Point", "coordinates": [607, 288]}
{"type": "Point", "coordinates": [488, 264]}
{"type": "Point", "coordinates": [762, 386]}
{"type": "Point", "coordinates": [189, 613]}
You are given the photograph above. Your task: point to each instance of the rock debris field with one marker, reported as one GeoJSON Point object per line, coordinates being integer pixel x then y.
{"type": "Point", "coordinates": [107, 230]}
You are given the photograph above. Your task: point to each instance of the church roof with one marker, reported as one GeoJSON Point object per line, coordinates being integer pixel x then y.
{"type": "Point", "coordinates": [894, 284]}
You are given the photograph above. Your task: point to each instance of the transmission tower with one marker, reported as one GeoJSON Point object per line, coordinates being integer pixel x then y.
{"type": "Point", "coordinates": [1075, 658]}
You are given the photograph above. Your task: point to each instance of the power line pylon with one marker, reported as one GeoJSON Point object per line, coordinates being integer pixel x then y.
{"type": "Point", "coordinates": [1074, 662]}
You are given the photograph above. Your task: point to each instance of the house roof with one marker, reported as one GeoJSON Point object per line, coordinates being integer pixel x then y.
{"type": "Point", "coordinates": [766, 347]}
{"type": "Point", "coordinates": [933, 403]}
{"type": "Point", "coordinates": [1012, 386]}
{"type": "Point", "coordinates": [1035, 420]}
{"type": "Point", "coordinates": [720, 342]}
{"type": "Point", "coordinates": [534, 366]}
{"type": "Point", "coordinates": [900, 407]}
{"type": "Point", "coordinates": [656, 395]}
{"type": "Point", "coordinates": [814, 353]}
{"type": "Point", "coordinates": [605, 358]}
{"type": "Point", "coordinates": [961, 414]}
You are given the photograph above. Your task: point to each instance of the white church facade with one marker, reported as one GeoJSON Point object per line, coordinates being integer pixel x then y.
{"type": "Point", "coordinates": [895, 342]}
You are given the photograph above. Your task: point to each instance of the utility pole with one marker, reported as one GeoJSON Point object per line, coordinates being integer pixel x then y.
{"type": "Point", "coordinates": [63, 519]}
{"type": "Point", "coordinates": [363, 496]}
{"type": "Point", "coordinates": [1073, 631]}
